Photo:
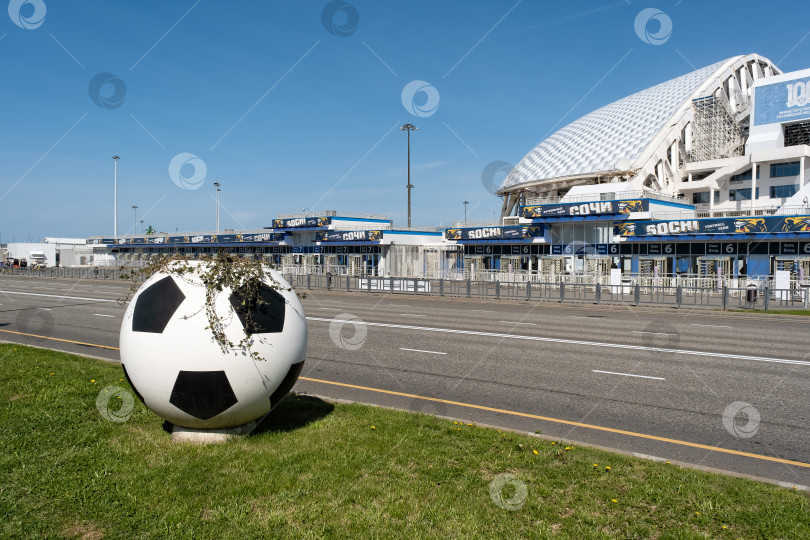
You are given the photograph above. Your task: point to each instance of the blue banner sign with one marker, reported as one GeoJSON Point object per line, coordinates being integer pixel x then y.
{"type": "Point", "coordinates": [769, 224]}
{"type": "Point", "coordinates": [198, 239]}
{"type": "Point", "coordinates": [292, 223]}
{"type": "Point", "coordinates": [595, 208]}
{"type": "Point", "coordinates": [349, 236]}
{"type": "Point", "coordinates": [496, 233]}
{"type": "Point", "coordinates": [260, 237]}
{"type": "Point", "coordinates": [786, 101]}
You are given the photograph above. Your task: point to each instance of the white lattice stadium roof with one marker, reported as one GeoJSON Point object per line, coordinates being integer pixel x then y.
{"type": "Point", "coordinates": [622, 129]}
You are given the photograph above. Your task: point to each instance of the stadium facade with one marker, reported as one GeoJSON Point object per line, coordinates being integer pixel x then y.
{"type": "Point", "coordinates": [725, 146]}
{"type": "Point", "coordinates": [701, 176]}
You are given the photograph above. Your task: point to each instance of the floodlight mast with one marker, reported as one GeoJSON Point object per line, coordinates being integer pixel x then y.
{"type": "Point", "coordinates": [115, 199]}
{"type": "Point", "coordinates": [217, 185]}
{"type": "Point", "coordinates": [409, 128]}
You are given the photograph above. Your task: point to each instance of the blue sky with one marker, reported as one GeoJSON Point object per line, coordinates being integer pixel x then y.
{"type": "Point", "coordinates": [289, 107]}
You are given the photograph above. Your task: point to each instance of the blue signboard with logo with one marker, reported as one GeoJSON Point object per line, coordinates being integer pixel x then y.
{"type": "Point", "coordinates": [349, 236]}
{"type": "Point", "coordinates": [768, 224]}
{"type": "Point", "coordinates": [292, 223]}
{"type": "Point", "coordinates": [786, 101]}
{"type": "Point", "coordinates": [515, 232]}
{"type": "Point", "coordinates": [259, 237]}
{"type": "Point", "coordinates": [197, 239]}
{"type": "Point", "coordinates": [596, 208]}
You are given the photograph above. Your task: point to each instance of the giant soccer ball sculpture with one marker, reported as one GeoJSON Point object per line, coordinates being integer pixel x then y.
{"type": "Point", "coordinates": [181, 372]}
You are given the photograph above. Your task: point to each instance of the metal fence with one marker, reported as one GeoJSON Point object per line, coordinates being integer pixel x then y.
{"type": "Point", "coordinates": [637, 292]}
{"type": "Point", "coordinates": [104, 272]}
{"type": "Point", "coordinates": [723, 297]}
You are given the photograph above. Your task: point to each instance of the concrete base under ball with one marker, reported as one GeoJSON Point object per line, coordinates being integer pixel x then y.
{"type": "Point", "coordinates": [211, 436]}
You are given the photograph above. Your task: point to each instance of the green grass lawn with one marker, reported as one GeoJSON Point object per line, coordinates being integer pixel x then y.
{"type": "Point", "coordinates": [805, 312]}
{"type": "Point", "coordinates": [318, 469]}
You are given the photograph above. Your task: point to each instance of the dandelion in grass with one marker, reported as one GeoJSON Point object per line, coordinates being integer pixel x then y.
{"type": "Point", "coordinates": [607, 468]}
{"type": "Point", "coordinates": [535, 452]}
{"type": "Point", "coordinates": [614, 500]}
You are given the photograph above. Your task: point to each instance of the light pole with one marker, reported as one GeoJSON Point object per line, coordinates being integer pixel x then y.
{"type": "Point", "coordinates": [141, 227]}
{"type": "Point", "coordinates": [216, 185]}
{"type": "Point", "coordinates": [409, 128]}
{"type": "Point", "coordinates": [135, 209]}
{"type": "Point", "coordinates": [115, 199]}
{"type": "Point", "coordinates": [465, 211]}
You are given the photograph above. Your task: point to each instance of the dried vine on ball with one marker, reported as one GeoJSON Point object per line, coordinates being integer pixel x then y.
{"type": "Point", "coordinates": [243, 276]}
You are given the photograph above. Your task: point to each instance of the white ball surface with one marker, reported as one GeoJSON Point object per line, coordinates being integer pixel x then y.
{"type": "Point", "coordinates": [180, 371]}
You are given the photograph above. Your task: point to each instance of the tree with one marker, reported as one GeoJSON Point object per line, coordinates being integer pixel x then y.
{"type": "Point", "coordinates": [150, 230]}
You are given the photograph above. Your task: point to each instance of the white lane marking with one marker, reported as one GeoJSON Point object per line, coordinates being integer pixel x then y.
{"type": "Point", "coordinates": [329, 309]}
{"type": "Point", "coordinates": [653, 333]}
{"type": "Point", "coordinates": [399, 305]}
{"type": "Point", "coordinates": [419, 350]}
{"type": "Point", "coordinates": [411, 315]}
{"type": "Point", "coordinates": [580, 317]}
{"type": "Point", "coordinates": [712, 325]}
{"type": "Point", "coordinates": [517, 322]}
{"type": "Point", "coordinates": [45, 309]}
{"type": "Point", "coordinates": [569, 341]}
{"type": "Point", "coordinates": [483, 310]}
{"type": "Point", "coordinates": [102, 315]}
{"type": "Point", "coordinates": [628, 375]}
{"type": "Point", "coordinates": [58, 296]}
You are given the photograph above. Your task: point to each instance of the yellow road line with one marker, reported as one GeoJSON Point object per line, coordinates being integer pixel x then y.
{"type": "Point", "coordinates": [567, 422]}
{"type": "Point", "coordinates": [59, 339]}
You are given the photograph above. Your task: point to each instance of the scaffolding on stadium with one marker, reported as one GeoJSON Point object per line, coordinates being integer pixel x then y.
{"type": "Point", "coordinates": [797, 134]}
{"type": "Point", "coordinates": [715, 133]}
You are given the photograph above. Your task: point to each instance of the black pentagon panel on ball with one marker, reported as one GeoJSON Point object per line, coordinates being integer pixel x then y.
{"type": "Point", "coordinates": [202, 394]}
{"type": "Point", "coordinates": [267, 315]}
{"type": "Point", "coordinates": [156, 305]}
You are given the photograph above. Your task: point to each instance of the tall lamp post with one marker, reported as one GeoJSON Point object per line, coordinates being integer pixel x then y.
{"type": "Point", "coordinates": [465, 211]}
{"type": "Point", "coordinates": [217, 185]}
{"type": "Point", "coordinates": [135, 209]}
{"type": "Point", "coordinates": [115, 199]}
{"type": "Point", "coordinates": [409, 128]}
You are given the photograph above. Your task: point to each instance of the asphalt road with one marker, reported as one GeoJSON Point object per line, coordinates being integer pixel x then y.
{"type": "Point", "coordinates": [672, 384]}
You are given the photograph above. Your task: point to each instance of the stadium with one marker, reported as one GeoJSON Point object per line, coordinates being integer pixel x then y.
{"type": "Point", "coordinates": [702, 176]}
